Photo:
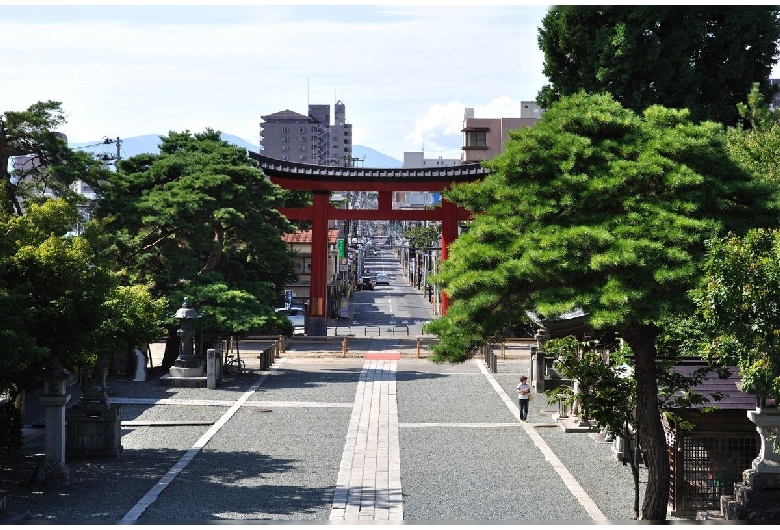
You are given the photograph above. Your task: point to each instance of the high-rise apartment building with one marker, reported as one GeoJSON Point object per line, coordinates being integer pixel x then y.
{"type": "Point", "coordinates": [311, 139]}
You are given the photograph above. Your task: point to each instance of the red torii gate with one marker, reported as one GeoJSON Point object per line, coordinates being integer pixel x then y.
{"type": "Point", "coordinates": [324, 180]}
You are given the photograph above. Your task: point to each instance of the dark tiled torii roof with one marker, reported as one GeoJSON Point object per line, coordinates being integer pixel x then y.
{"type": "Point", "coordinates": [276, 167]}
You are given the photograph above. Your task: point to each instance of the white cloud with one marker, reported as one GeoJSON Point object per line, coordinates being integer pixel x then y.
{"type": "Point", "coordinates": [438, 132]}
{"type": "Point", "coordinates": [401, 71]}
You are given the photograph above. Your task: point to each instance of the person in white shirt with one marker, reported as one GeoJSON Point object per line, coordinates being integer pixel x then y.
{"type": "Point", "coordinates": [523, 394]}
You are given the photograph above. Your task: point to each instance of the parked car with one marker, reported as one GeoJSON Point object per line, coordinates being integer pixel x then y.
{"type": "Point", "coordinates": [366, 284]}
{"type": "Point", "coordinates": [297, 317]}
{"type": "Point", "coordinates": [382, 279]}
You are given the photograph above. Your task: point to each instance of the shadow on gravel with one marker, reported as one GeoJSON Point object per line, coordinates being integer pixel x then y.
{"type": "Point", "coordinates": [291, 378]}
{"type": "Point", "coordinates": [215, 486]}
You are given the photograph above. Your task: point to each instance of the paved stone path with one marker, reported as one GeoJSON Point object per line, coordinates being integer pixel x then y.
{"type": "Point", "coordinates": [369, 480]}
{"type": "Point", "coordinates": [368, 485]}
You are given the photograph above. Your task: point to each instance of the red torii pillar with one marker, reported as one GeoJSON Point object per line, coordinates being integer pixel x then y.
{"type": "Point", "coordinates": [449, 232]}
{"type": "Point", "coordinates": [318, 318]}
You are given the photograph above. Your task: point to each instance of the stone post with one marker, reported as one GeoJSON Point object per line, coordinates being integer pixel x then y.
{"type": "Point", "coordinates": [54, 470]}
{"type": "Point", "coordinates": [537, 360]}
{"type": "Point", "coordinates": [211, 369]}
{"type": "Point", "coordinates": [140, 365]}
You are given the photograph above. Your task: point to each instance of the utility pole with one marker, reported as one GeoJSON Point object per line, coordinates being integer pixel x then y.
{"type": "Point", "coordinates": [118, 142]}
{"type": "Point", "coordinates": [105, 157]}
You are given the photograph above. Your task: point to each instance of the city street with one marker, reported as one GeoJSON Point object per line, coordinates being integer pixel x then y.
{"type": "Point", "coordinates": [397, 309]}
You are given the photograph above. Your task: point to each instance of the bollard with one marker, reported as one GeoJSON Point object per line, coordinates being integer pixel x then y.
{"type": "Point", "coordinates": [503, 350]}
{"type": "Point", "coordinates": [344, 346]}
{"type": "Point", "coordinates": [418, 347]}
{"type": "Point", "coordinates": [211, 368]}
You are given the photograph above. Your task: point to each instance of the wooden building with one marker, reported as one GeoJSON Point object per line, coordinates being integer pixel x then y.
{"type": "Point", "coordinates": [706, 460]}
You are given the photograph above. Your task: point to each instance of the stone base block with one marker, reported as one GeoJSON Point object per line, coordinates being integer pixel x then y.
{"type": "Point", "coordinates": [762, 481]}
{"type": "Point", "coordinates": [184, 382]}
{"type": "Point", "coordinates": [51, 474]}
{"type": "Point", "coordinates": [93, 430]}
{"type": "Point", "coordinates": [737, 512]}
{"type": "Point", "coordinates": [176, 371]}
{"type": "Point", "coordinates": [757, 498]}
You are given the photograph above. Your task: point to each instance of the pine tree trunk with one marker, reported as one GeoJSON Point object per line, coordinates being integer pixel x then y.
{"type": "Point", "coordinates": [651, 437]}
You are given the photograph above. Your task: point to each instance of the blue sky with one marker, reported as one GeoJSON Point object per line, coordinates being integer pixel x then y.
{"type": "Point", "coordinates": [405, 73]}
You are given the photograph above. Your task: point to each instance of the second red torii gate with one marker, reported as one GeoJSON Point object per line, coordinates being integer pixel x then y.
{"type": "Point", "coordinates": [322, 181]}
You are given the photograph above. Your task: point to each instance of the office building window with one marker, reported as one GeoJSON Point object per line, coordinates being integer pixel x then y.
{"type": "Point", "coordinates": [475, 138]}
{"type": "Point", "coordinates": [285, 130]}
{"type": "Point", "coordinates": [285, 157]}
{"type": "Point", "coordinates": [285, 148]}
{"type": "Point", "coordinates": [301, 129]}
{"type": "Point", "coordinates": [285, 138]}
{"type": "Point", "coordinates": [302, 157]}
{"type": "Point", "coordinates": [301, 148]}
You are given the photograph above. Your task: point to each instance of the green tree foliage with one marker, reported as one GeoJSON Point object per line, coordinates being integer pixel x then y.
{"type": "Point", "coordinates": [606, 386]}
{"type": "Point", "coordinates": [758, 146]}
{"type": "Point", "coordinates": [606, 392]}
{"type": "Point", "coordinates": [422, 237]}
{"type": "Point", "coordinates": [598, 208]}
{"type": "Point", "coordinates": [200, 220]}
{"type": "Point", "coordinates": [738, 303]}
{"type": "Point", "coordinates": [56, 304]}
{"type": "Point", "coordinates": [702, 60]}
{"type": "Point", "coordinates": [44, 161]}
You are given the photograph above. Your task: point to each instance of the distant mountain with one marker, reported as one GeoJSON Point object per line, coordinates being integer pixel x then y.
{"type": "Point", "coordinates": [150, 143]}
{"type": "Point", "coordinates": [372, 158]}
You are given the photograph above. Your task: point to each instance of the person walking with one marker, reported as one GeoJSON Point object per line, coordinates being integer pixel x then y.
{"type": "Point", "coordinates": [523, 395]}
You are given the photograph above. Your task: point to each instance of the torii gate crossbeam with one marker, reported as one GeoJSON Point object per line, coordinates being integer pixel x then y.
{"type": "Point", "coordinates": [322, 181]}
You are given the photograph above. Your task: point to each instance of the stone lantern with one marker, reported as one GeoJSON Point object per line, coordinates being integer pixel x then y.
{"type": "Point", "coordinates": [54, 398]}
{"type": "Point", "coordinates": [187, 370]}
{"type": "Point", "coordinates": [186, 332]}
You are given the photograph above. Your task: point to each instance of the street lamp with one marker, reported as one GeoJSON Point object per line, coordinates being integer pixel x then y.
{"type": "Point", "coordinates": [186, 332]}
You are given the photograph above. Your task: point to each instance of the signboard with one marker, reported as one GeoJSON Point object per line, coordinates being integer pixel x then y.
{"type": "Point", "coordinates": [288, 299]}
{"type": "Point", "coordinates": [344, 308]}
{"type": "Point", "coordinates": [343, 265]}
{"type": "Point", "coordinates": [342, 248]}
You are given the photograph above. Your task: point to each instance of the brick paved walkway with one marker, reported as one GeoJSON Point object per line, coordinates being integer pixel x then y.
{"type": "Point", "coordinates": [369, 480]}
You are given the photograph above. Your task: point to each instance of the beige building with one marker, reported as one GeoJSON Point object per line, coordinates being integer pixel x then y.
{"type": "Point", "coordinates": [484, 138]}
{"type": "Point", "coordinates": [312, 139]}
{"type": "Point", "coordinates": [300, 244]}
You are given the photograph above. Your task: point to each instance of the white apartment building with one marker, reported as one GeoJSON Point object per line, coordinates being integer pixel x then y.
{"type": "Point", "coordinates": [416, 159]}
{"type": "Point", "coordinates": [312, 139]}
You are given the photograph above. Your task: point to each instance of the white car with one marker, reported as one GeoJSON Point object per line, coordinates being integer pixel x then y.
{"type": "Point", "coordinates": [382, 279]}
{"type": "Point", "coordinates": [297, 317]}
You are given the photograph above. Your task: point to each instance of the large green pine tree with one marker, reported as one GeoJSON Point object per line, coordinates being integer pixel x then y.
{"type": "Point", "coordinates": [601, 209]}
{"type": "Point", "coordinates": [200, 219]}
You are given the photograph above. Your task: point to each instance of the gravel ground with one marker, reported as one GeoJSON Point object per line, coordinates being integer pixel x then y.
{"type": "Point", "coordinates": [460, 461]}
